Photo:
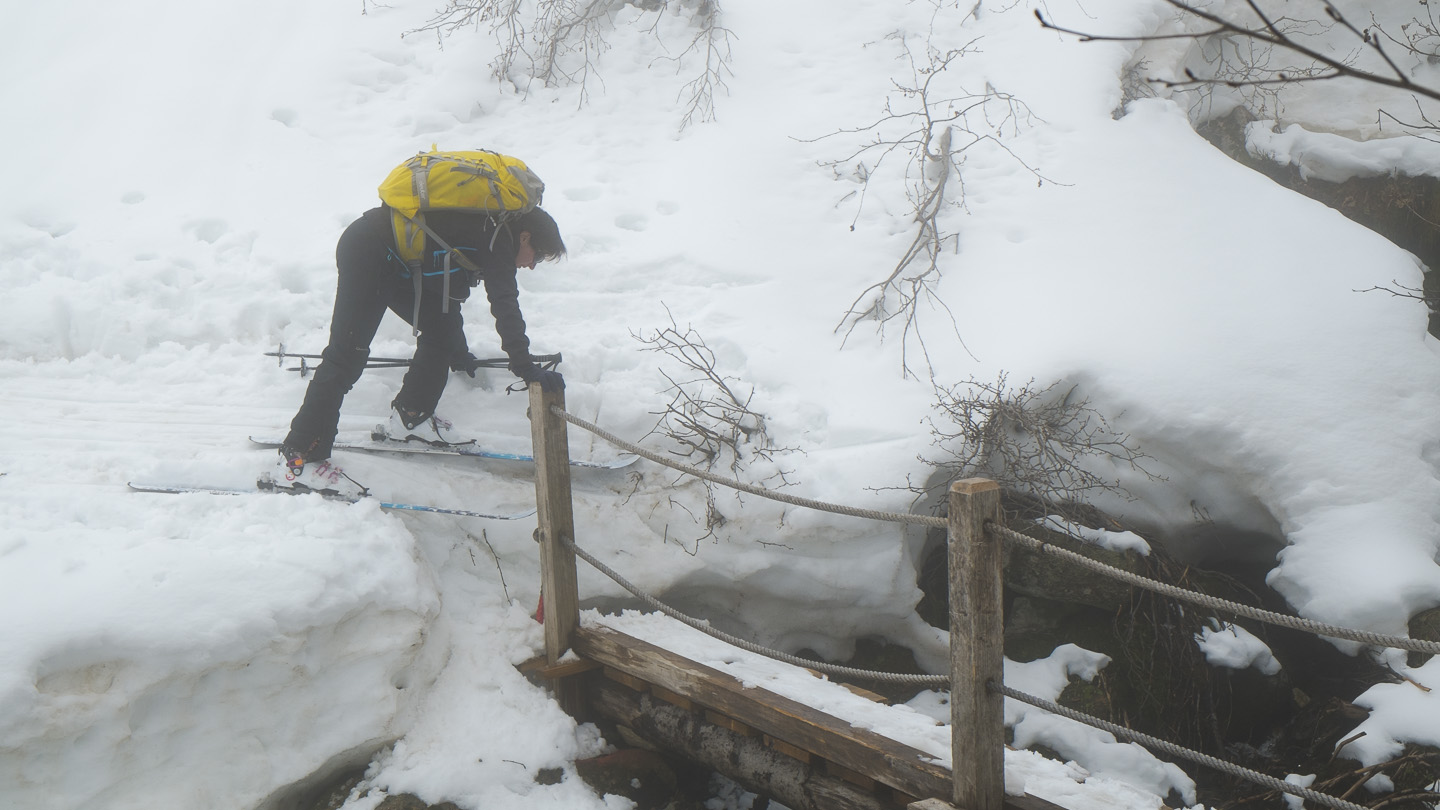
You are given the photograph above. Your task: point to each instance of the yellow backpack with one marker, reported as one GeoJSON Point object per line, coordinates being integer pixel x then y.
{"type": "Point", "coordinates": [478, 181]}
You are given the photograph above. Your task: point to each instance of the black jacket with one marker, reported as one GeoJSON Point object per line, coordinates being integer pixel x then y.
{"type": "Point", "coordinates": [493, 250]}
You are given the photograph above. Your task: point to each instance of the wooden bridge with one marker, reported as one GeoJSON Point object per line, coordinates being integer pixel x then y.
{"type": "Point", "coordinates": [769, 743]}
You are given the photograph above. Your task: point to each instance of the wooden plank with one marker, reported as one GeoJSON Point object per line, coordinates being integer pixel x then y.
{"type": "Point", "coordinates": [556, 519]}
{"type": "Point", "coordinates": [789, 750]}
{"type": "Point", "coordinates": [873, 697]}
{"type": "Point", "coordinates": [742, 758]}
{"type": "Point", "coordinates": [1028, 802]}
{"type": "Point", "coordinates": [885, 760]}
{"type": "Point", "coordinates": [858, 779]}
{"type": "Point", "coordinates": [728, 722]}
{"type": "Point", "coordinates": [977, 714]}
{"type": "Point", "coordinates": [1024, 802]}
{"type": "Point", "coordinates": [671, 698]}
{"type": "Point", "coordinates": [853, 689]}
{"type": "Point", "coordinates": [629, 680]}
{"type": "Point", "coordinates": [930, 804]}
{"type": "Point", "coordinates": [631, 713]}
{"type": "Point", "coordinates": [564, 669]}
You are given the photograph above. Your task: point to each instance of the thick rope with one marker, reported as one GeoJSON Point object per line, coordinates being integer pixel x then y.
{"type": "Point", "coordinates": [872, 514]}
{"type": "Point", "coordinates": [939, 680]}
{"type": "Point", "coordinates": [1121, 732]}
{"type": "Point", "coordinates": [1172, 749]}
{"type": "Point", "coordinates": [1202, 600]}
{"type": "Point", "coordinates": [943, 681]}
{"type": "Point", "coordinates": [830, 669]}
{"type": "Point", "coordinates": [1269, 617]}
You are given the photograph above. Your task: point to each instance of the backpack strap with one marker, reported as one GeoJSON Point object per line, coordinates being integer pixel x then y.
{"type": "Point", "coordinates": [460, 258]}
{"type": "Point", "coordinates": [450, 253]}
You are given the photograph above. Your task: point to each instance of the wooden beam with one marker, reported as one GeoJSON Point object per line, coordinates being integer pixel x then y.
{"type": "Point", "coordinates": [1024, 802]}
{"type": "Point", "coordinates": [739, 756]}
{"type": "Point", "coordinates": [538, 666]}
{"type": "Point", "coordinates": [930, 804]}
{"type": "Point", "coordinates": [1028, 802]}
{"type": "Point", "coordinates": [627, 679]}
{"type": "Point", "coordinates": [556, 519]}
{"type": "Point", "coordinates": [860, 780]}
{"type": "Point", "coordinates": [762, 764]}
{"type": "Point", "coordinates": [726, 721]}
{"type": "Point", "coordinates": [977, 632]}
{"type": "Point", "coordinates": [794, 752]}
{"type": "Point", "coordinates": [901, 767]}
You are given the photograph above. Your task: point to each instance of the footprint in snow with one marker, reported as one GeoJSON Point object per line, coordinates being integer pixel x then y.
{"type": "Point", "coordinates": [207, 230]}
{"type": "Point", "coordinates": [632, 222]}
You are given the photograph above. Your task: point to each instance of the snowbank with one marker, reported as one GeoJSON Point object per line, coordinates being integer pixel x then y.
{"type": "Point", "coordinates": [185, 176]}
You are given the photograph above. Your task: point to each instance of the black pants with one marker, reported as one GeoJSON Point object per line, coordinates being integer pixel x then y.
{"type": "Point", "coordinates": [369, 283]}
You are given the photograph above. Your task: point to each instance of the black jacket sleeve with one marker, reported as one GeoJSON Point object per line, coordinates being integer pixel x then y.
{"type": "Point", "coordinates": [504, 294]}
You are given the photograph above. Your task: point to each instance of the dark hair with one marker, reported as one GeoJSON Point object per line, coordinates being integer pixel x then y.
{"type": "Point", "coordinates": [544, 234]}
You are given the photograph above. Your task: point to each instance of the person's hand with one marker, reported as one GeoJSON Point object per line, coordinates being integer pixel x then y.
{"type": "Point", "coordinates": [465, 362]}
{"type": "Point", "coordinates": [549, 381]}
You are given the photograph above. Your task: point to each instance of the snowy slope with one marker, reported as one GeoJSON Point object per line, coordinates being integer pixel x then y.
{"type": "Point", "coordinates": [186, 174]}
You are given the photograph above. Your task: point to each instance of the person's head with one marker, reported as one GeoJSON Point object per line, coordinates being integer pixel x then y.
{"type": "Point", "coordinates": [537, 238]}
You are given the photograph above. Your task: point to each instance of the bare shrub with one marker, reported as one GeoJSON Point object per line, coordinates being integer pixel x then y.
{"type": "Point", "coordinates": [560, 42]}
{"type": "Point", "coordinates": [709, 419]}
{"type": "Point", "coordinates": [1034, 440]}
{"type": "Point", "coordinates": [930, 127]}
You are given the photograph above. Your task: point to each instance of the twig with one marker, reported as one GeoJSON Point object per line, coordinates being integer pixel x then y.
{"type": "Point", "coordinates": [485, 538]}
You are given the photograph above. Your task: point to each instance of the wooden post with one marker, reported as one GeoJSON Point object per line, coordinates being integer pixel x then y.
{"type": "Point", "coordinates": [558, 590]}
{"type": "Point", "coordinates": [977, 715]}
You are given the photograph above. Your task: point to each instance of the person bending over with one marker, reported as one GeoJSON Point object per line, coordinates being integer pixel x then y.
{"type": "Point", "coordinates": [373, 278]}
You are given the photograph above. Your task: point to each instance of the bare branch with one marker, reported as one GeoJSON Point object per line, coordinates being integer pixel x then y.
{"type": "Point", "coordinates": [1275, 33]}
{"type": "Point", "coordinates": [560, 42]}
{"type": "Point", "coordinates": [1033, 440]}
{"type": "Point", "coordinates": [709, 420]}
{"type": "Point", "coordinates": [933, 131]}
{"type": "Point", "coordinates": [712, 40]}
{"type": "Point", "coordinates": [1405, 292]}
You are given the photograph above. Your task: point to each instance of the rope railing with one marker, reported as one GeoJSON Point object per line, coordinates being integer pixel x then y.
{"type": "Point", "coordinates": [1199, 599]}
{"type": "Point", "coordinates": [851, 511]}
{"type": "Point", "coordinates": [736, 641]}
{"type": "Point", "coordinates": [980, 781]}
{"type": "Point", "coordinates": [1121, 732]}
{"type": "Point", "coordinates": [1157, 744]}
{"type": "Point", "coordinates": [1215, 603]}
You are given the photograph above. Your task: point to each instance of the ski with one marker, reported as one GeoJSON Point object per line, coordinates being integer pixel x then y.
{"type": "Point", "coordinates": [179, 489]}
{"type": "Point", "coordinates": [376, 445]}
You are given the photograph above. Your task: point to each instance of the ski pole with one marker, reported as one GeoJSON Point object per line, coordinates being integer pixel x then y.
{"type": "Point", "coordinates": [545, 360]}
{"type": "Point", "coordinates": [282, 354]}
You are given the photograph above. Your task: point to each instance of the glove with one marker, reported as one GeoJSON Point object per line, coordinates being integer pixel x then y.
{"type": "Point", "coordinates": [465, 362]}
{"type": "Point", "coordinates": [549, 381]}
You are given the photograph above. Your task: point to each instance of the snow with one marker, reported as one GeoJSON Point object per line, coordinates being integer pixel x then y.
{"type": "Point", "coordinates": [1095, 752]}
{"type": "Point", "coordinates": [1104, 538]}
{"type": "Point", "coordinates": [1335, 158]}
{"type": "Point", "coordinates": [1232, 646]}
{"type": "Point", "coordinates": [1299, 780]}
{"type": "Point", "coordinates": [177, 180]}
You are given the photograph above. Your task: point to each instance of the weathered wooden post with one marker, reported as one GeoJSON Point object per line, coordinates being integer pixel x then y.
{"type": "Point", "coordinates": [977, 715]}
{"type": "Point", "coordinates": [558, 591]}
